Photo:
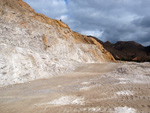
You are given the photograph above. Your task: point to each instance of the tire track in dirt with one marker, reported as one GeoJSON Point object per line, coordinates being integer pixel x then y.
{"type": "Point", "coordinates": [106, 92]}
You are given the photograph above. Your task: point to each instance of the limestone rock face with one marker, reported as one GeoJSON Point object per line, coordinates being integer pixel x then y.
{"type": "Point", "coordinates": [33, 46]}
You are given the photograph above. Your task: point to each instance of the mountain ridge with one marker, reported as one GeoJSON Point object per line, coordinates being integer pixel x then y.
{"type": "Point", "coordinates": [127, 50]}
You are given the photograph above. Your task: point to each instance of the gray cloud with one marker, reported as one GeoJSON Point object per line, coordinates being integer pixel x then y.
{"type": "Point", "coordinates": [113, 20]}
{"type": "Point", "coordinates": [143, 22]}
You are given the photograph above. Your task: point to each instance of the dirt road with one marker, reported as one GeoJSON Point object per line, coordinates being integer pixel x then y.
{"type": "Point", "coordinates": [91, 88]}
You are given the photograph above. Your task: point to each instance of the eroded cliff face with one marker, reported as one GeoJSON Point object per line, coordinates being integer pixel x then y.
{"type": "Point", "coordinates": [33, 46]}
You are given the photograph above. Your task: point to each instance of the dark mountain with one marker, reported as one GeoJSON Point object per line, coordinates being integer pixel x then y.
{"type": "Point", "coordinates": [147, 49]}
{"type": "Point", "coordinates": [127, 50]}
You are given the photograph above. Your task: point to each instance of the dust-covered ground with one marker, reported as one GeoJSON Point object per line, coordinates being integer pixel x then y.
{"type": "Point", "coordinates": [91, 88]}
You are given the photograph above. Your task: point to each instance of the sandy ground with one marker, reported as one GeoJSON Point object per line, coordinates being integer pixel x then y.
{"type": "Point", "coordinates": [91, 88]}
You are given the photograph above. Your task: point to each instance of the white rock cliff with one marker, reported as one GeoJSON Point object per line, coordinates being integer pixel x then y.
{"type": "Point", "coordinates": [33, 46]}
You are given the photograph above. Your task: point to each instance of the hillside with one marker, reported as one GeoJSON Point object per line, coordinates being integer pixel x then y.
{"type": "Point", "coordinates": [34, 46]}
{"type": "Point", "coordinates": [127, 50]}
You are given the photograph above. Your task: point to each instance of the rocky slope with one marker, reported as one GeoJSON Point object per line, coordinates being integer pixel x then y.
{"type": "Point", "coordinates": [127, 50]}
{"type": "Point", "coordinates": [33, 46]}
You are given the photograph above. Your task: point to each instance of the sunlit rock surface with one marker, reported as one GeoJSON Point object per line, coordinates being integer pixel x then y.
{"type": "Point", "coordinates": [33, 46]}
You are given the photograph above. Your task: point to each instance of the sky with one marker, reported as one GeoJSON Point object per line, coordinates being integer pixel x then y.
{"type": "Point", "coordinates": [108, 20]}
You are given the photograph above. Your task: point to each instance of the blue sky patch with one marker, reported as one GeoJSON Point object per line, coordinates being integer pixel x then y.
{"type": "Point", "coordinates": [67, 2]}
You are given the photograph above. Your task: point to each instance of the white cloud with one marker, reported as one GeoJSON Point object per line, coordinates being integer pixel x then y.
{"type": "Point", "coordinates": [95, 33]}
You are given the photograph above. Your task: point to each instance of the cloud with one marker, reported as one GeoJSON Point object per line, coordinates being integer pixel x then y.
{"type": "Point", "coordinates": [95, 33]}
{"type": "Point", "coordinates": [51, 8]}
{"type": "Point", "coordinates": [143, 22]}
{"type": "Point", "coordinates": [113, 20]}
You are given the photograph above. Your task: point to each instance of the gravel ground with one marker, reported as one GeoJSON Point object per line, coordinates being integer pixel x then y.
{"type": "Point", "coordinates": [91, 88]}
